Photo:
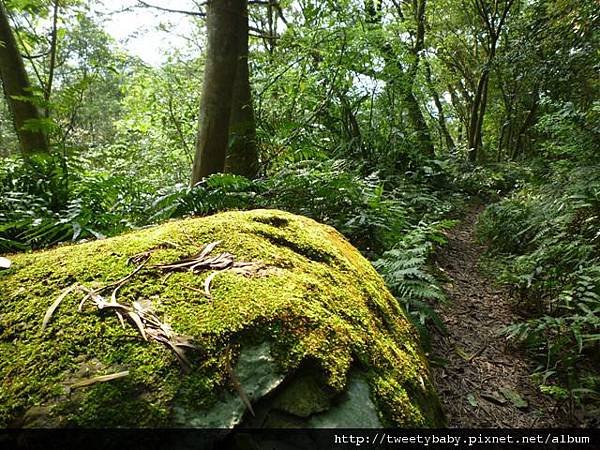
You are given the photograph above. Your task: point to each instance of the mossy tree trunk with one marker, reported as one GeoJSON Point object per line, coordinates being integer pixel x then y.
{"type": "Point", "coordinates": [17, 90]}
{"type": "Point", "coordinates": [415, 115]}
{"type": "Point", "coordinates": [404, 78]}
{"type": "Point", "coordinates": [441, 117]}
{"type": "Point", "coordinates": [222, 24]}
{"type": "Point", "coordinates": [242, 154]}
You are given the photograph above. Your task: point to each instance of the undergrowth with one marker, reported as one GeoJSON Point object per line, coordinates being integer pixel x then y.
{"type": "Point", "coordinates": [394, 220]}
{"type": "Point", "coordinates": [548, 239]}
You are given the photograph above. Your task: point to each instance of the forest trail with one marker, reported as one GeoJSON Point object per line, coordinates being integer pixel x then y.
{"type": "Point", "coordinates": [482, 380]}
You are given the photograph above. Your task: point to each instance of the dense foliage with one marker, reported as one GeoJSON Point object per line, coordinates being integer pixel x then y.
{"type": "Point", "coordinates": [380, 118]}
{"type": "Point", "coordinates": [548, 235]}
{"type": "Point", "coordinates": [375, 214]}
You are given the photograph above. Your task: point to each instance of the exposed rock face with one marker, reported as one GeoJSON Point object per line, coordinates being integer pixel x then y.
{"type": "Point", "coordinates": [310, 338]}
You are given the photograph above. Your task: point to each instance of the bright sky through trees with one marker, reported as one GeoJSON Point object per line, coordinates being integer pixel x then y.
{"type": "Point", "coordinates": [146, 32]}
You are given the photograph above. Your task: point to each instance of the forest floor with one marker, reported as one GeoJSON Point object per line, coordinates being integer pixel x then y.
{"type": "Point", "coordinates": [482, 380]}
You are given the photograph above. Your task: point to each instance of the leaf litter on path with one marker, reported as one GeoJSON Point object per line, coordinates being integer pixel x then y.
{"type": "Point", "coordinates": [483, 382]}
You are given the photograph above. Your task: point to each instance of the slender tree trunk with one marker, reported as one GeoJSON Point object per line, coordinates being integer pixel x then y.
{"type": "Point", "coordinates": [242, 154]}
{"type": "Point", "coordinates": [481, 116]}
{"type": "Point", "coordinates": [476, 117]}
{"type": "Point", "coordinates": [503, 133]}
{"type": "Point", "coordinates": [417, 121]}
{"type": "Point", "coordinates": [411, 103]}
{"type": "Point", "coordinates": [529, 121]}
{"type": "Point", "coordinates": [16, 87]}
{"type": "Point", "coordinates": [505, 129]}
{"type": "Point", "coordinates": [493, 20]}
{"type": "Point", "coordinates": [438, 104]}
{"type": "Point", "coordinates": [271, 26]}
{"type": "Point", "coordinates": [222, 24]}
{"type": "Point", "coordinates": [404, 82]}
{"type": "Point", "coordinates": [350, 125]}
{"type": "Point", "coordinates": [460, 107]}
{"type": "Point", "coordinates": [53, 52]}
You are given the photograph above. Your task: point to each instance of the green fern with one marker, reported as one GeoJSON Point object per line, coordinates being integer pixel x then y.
{"type": "Point", "coordinates": [548, 237]}
{"type": "Point", "coordinates": [405, 270]}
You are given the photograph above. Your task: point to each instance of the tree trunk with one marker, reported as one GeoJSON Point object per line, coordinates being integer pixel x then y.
{"type": "Point", "coordinates": [53, 52]}
{"type": "Point", "coordinates": [528, 122]}
{"type": "Point", "coordinates": [481, 116]}
{"type": "Point", "coordinates": [411, 103]}
{"type": "Point", "coordinates": [476, 119]}
{"type": "Point", "coordinates": [404, 81]}
{"type": "Point", "coordinates": [222, 24]}
{"type": "Point", "coordinates": [16, 87]}
{"type": "Point", "coordinates": [242, 154]}
{"type": "Point", "coordinates": [350, 126]}
{"type": "Point", "coordinates": [493, 21]}
{"type": "Point", "coordinates": [417, 121]}
{"type": "Point", "coordinates": [438, 104]}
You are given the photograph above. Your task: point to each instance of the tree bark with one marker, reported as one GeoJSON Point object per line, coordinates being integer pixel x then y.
{"type": "Point", "coordinates": [405, 82]}
{"type": "Point", "coordinates": [493, 21]}
{"type": "Point", "coordinates": [242, 154]}
{"type": "Point", "coordinates": [16, 88]}
{"type": "Point", "coordinates": [350, 125]}
{"type": "Point", "coordinates": [411, 103]}
{"type": "Point", "coordinates": [438, 104]}
{"type": "Point", "coordinates": [477, 115]}
{"type": "Point", "coordinates": [222, 24]}
{"type": "Point", "coordinates": [528, 122]}
{"type": "Point", "coordinates": [417, 121]}
{"type": "Point", "coordinates": [53, 52]}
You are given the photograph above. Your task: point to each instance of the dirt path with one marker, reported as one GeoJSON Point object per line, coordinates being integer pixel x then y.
{"type": "Point", "coordinates": [479, 372]}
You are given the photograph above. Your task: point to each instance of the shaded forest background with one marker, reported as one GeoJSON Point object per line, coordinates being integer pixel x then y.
{"type": "Point", "coordinates": [383, 118]}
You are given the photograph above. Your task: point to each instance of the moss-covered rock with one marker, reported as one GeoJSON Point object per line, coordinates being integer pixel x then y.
{"type": "Point", "coordinates": [316, 307]}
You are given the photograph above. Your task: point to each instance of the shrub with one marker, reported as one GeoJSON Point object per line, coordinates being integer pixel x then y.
{"type": "Point", "coordinates": [550, 240]}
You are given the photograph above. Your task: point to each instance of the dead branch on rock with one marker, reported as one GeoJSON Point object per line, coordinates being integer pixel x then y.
{"type": "Point", "coordinates": [150, 327]}
{"type": "Point", "coordinates": [140, 313]}
{"type": "Point", "coordinates": [238, 386]}
{"type": "Point", "coordinates": [204, 262]}
{"type": "Point", "coordinates": [55, 304]}
{"type": "Point", "coordinates": [100, 379]}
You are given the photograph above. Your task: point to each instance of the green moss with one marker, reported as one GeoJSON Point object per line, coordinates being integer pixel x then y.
{"type": "Point", "coordinates": [321, 301]}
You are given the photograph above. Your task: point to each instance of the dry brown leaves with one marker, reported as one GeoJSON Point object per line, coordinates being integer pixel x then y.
{"type": "Point", "coordinates": [204, 262]}
{"type": "Point", "coordinates": [140, 313]}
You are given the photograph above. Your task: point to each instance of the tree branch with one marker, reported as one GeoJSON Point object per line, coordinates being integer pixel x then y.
{"type": "Point", "coordinates": [27, 54]}
{"type": "Point", "coordinates": [261, 34]}
{"type": "Point", "coordinates": [507, 7]}
{"type": "Point", "coordinates": [53, 50]}
{"type": "Point", "coordinates": [176, 11]}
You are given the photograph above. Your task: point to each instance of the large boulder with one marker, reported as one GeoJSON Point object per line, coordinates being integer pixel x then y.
{"type": "Point", "coordinates": [305, 336]}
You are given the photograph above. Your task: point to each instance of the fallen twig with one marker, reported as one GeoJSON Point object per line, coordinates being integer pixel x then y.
{"type": "Point", "coordinates": [478, 352]}
{"type": "Point", "coordinates": [238, 387]}
{"type": "Point", "coordinates": [203, 262]}
{"type": "Point", "coordinates": [141, 315]}
{"type": "Point", "coordinates": [207, 284]}
{"type": "Point", "coordinates": [123, 280]}
{"type": "Point", "coordinates": [100, 379]}
{"type": "Point", "coordinates": [55, 304]}
{"type": "Point", "coordinates": [147, 323]}
{"type": "Point", "coordinates": [195, 289]}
